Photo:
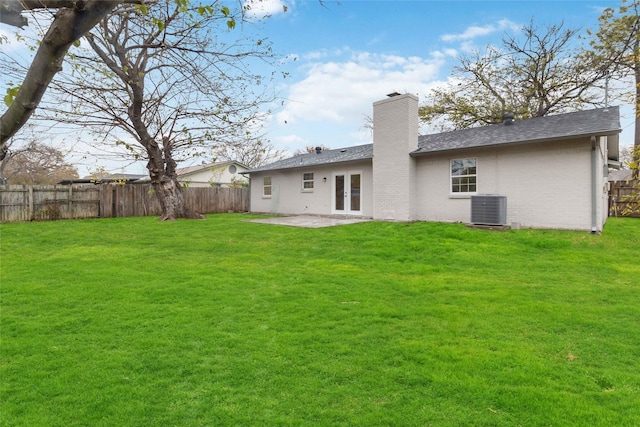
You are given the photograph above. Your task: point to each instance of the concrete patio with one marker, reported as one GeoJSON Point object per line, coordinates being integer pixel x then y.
{"type": "Point", "coordinates": [310, 221]}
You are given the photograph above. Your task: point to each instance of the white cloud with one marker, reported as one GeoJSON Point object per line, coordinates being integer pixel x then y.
{"type": "Point", "coordinates": [292, 140]}
{"type": "Point", "coordinates": [329, 104]}
{"type": "Point", "coordinates": [474, 31]}
{"type": "Point", "coordinates": [444, 54]}
{"type": "Point", "coordinates": [316, 54]}
{"type": "Point", "coordinates": [342, 91]}
{"type": "Point", "coordinates": [259, 9]}
{"type": "Point", "coordinates": [468, 46]}
{"type": "Point", "coordinates": [325, 53]}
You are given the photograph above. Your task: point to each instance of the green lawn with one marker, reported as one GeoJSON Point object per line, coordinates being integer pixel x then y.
{"type": "Point", "coordinates": [131, 322]}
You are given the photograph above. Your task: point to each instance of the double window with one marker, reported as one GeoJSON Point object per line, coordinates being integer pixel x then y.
{"type": "Point", "coordinates": [266, 186]}
{"type": "Point", "coordinates": [307, 181]}
{"type": "Point", "coordinates": [463, 176]}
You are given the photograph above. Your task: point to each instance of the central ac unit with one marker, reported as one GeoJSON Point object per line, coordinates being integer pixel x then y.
{"type": "Point", "coordinates": [489, 209]}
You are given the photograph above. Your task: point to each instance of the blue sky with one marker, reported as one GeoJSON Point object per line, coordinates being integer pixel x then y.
{"type": "Point", "coordinates": [351, 53]}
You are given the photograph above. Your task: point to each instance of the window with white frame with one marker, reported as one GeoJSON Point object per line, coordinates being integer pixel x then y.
{"type": "Point", "coordinates": [307, 181]}
{"type": "Point", "coordinates": [463, 176]}
{"type": "Point", "coordinates": [266, 186]}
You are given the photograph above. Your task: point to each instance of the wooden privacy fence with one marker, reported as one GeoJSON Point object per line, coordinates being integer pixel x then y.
{"type": "Point", "coordinates": [617, 193]}
{"type": "Point", "coordinates": [51, 202]}
{"type": "Point", "coordinates": [48, 202]}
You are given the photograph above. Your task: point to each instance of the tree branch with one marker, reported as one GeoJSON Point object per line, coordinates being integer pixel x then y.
{"type": "Point", "coordinates": [69, 24]}
{"type": "Point", "coordinates": [11, 10]}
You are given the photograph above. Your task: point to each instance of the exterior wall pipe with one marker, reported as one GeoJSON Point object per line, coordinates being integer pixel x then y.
{"type": "Point", "coordinates": [249, 184]}
{"type": "Point", "coordinates": [594, 183]}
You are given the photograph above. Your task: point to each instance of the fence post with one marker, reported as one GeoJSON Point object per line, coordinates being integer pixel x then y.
{"type": "Point", "coordinates": [69, 202]}
{"type": "Point", "coordinates": [31, 204]}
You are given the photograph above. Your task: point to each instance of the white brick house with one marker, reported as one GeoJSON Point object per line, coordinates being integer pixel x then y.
{"type": "Point", "coordinates": [551, 170]}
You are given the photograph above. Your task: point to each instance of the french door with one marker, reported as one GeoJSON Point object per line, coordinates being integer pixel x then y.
{"type": "Point", "coordinates": [347, 193]}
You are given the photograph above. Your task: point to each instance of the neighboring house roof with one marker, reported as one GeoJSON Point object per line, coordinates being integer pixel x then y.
{"type": "Point", "coordinates": [339, 155]}
{"type": "Point", "coordinates": [103, 179]}
{"type": "Point", "coordinates": [619, 175]}
{"type": "Point", "coordinates": [193, 169]}
{"type": "Point", "coordinates": [600, 121]}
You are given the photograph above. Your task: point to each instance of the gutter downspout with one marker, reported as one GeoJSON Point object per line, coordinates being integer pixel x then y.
{"type": "Point", "coordinates": [594, 183]}
{"type": "Point", "coordinates": [249, 191]}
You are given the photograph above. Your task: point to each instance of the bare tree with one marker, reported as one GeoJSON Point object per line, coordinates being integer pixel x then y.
{"type": "Point", "coordinates": [533, 74]}
{"type": "Point", "coordinates": [251, 154]}
{"type": "Point", "coordinates": [167, 83]}
{"type": "Point", "coordinates": [36, 163]}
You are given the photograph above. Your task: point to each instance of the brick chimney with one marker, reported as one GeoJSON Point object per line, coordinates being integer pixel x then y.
{"type": "Point", "coordinates": [395, 135]}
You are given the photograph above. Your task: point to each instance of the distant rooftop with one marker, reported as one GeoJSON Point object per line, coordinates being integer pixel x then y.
{"type": "Point", "coordinates": [620, 175]}
{"type": "Point", "coordinates": [103, 178]}
{"type": "Point", "coordinates": [196, 168]}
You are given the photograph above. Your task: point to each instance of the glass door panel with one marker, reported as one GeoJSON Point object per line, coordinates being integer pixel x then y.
{"type": "Point", "coordinates": [355, 192]}
{"type": "Point", "coordinates": [339, 193]}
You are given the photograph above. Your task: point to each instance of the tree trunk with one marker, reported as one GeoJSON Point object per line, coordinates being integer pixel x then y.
{"type": "Point", "coordinates": [636, 139]}
{"type": "Point", "coordinates": [162, 170]}
{"type": "Point", "coordinates": [161, 166]}
{"type": "Point", "coordinates": [169, 193]}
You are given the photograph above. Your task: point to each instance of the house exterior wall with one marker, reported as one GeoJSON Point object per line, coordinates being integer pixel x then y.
{"type": "Point", "coordinates": [215, 175]}
{"type": "Point", "coordinates": [555, 184]}
{"type": "Point", "coordinates": [289, 198]}
{"type": "Point", "coordinates": [547, 185]}
{"type": "Point", "coordinates": [395, 135]}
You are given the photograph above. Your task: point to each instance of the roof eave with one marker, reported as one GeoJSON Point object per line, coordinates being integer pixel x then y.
{"type": "Point", "coordinates": [419, 153]}
{"type": "Point", "coordinates": [308, 165]}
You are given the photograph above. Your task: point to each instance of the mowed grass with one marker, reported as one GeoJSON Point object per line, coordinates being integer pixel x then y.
{"type": "Point", "coordinates": [131, 322]}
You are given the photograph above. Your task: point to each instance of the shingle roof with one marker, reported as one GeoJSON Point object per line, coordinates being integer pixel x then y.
{"type": "Point", "coordinates": [339, 155]}
{"type": "Point", "coordinates": [620, 175]}
{"type": "Point", "coordinates": [600, 121]}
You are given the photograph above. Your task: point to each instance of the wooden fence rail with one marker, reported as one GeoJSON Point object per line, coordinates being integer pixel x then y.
{"type": "Point", "coordinates": [617, 201]}
{"type": "Point", "coordinates": [51, 202]}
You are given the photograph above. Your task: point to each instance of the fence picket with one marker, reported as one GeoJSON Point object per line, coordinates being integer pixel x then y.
{"type": "Point", "coordinates": [25, 203]}
{"type": "Point", "coordinates": [617, 193]}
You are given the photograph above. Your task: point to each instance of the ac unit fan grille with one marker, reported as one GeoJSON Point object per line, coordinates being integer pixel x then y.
{"type": "Point", "coordinates": [489, 210]}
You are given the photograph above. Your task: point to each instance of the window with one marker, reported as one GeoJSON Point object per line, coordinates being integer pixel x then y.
{"type": "Point", "coordinates": [233, 169]}
{"type": "Point", "coordinates": [307, 181]}
{"type": "Point", "coordinates": [463, 176]}
{"type": "Point", "coordinates": [266, 186]}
